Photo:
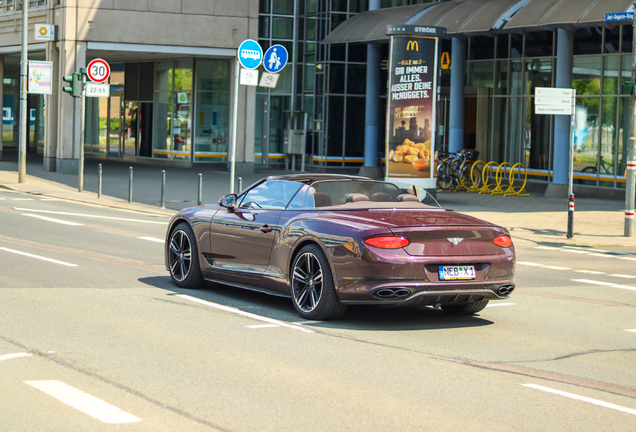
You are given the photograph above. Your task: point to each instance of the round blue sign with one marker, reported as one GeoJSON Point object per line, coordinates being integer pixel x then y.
{"type": "Point", "coordinates": [275, 58]}
{"type": "Point", "coordinates": [250, 54]}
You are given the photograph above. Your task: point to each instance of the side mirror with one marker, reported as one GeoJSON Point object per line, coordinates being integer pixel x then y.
{"type": "Point", "coordinates": [228, 201]}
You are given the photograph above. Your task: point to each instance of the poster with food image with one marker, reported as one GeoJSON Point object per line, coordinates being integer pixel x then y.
{"type": "Point", "coordinates": [411, 107]}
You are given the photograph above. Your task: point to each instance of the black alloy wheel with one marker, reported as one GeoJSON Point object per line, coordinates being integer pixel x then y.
{"type": "Point", "coordinates": [183, 257]}
{"type": "Point", "coordinates": [312, 286]}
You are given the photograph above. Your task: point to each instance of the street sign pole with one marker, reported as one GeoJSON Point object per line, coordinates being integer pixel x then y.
{"type": "Point", "coordinates": [237, 66]}
{"type": "Point", "coordinates": [80, 176]}
{"type": "Point", "coordinates": [631, 163]}
{"type": "Point", "coordinates": [570, 233]}
{"type": "Point", "coordinates": [24, 62]}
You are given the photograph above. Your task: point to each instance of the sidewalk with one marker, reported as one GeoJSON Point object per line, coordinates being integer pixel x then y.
{"type": "Point", "coordinates": [535, 219]}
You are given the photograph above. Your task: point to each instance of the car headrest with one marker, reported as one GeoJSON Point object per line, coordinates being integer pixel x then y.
{"type": "Point", "coordinates": [381, 197]}
{"type": "Point", "coordinates": [321, 199]}
{"type": "Point", "coordinates": [407, 198]}
{"type": "Point", "coordinates": [356, 197]}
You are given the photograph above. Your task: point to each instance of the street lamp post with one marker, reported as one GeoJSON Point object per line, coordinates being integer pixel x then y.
{"type": "Point", "coordinates": [24, 66]}
{"type": "Point", "coordinates": [631, 163]}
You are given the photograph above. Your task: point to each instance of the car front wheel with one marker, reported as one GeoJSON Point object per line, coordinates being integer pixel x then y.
{"type": "Point", "coordinates": [312, 286]}
{"type": "Point", "coordinates": [183, 257]}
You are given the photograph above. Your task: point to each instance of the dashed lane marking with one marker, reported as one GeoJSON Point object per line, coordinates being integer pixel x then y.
{"type": "Point", "coordinates": [14, 355]}
{"type": "Point", "coordinates": [556, 267]}
{"type": "Point", "coordinates": [500, 304]}
{"type": "Point", "coordinates": [529, 263]}
{"type": "Point", "coordinates": [94, 407]}
{"type": "Point", "coordinates": [627, 258]}
{"type": "Point", "coordinates": [260, 326]}
{"type": "Point", "coordinates": [582, 398]}
{"type": "Point", "coordinates": [22, 199]}
{"type": "Point", "coordinates": [607, 284]}
{"type": "Point", "coordinates": [91, 216]}
{"type": "Point", "coordinates": [38, 257]}
{"type": "Point", "coordinates": [48, 219]}
{"type": "Point", "coordinates": [594, 272]}
{"type": "Point", "coordinates": [244, 314]}
{"type": "Point", "coordinates": [623, 276]}
{"type": "Point", "coordinates": [633, 330]}
{"type": "Point", "coordinates": [152, 239]}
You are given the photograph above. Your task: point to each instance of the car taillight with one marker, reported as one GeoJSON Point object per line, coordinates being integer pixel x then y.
{"type": "Point", "coordinates": [387, 242]}
{"type": "Point", "coordinates": [503, 241]}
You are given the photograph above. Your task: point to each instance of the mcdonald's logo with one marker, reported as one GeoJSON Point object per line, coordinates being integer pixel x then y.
{"type": "Point", "coordinates": [412, 44]}
{"type": "Point", "coordinates": [445, 63]}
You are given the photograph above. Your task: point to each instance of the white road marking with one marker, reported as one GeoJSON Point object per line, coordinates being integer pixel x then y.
{"type": "Point", "coordinates": [500, 304]}
{"type": "Point", "coordinates": [60, 221]}
{"type": "Point", "coordinates": [623, 276]}
{"type": "Point", "coordinates": [590, 272]}
{"type": "Point", "coordinates": [91, 216]}
{"type": "Point", "coordinates": [529, 263]}
{"type": "Point", "coordinates": [22, 199]}
{"type": "Point", "coordinates": [608, 284]}
{"type": "Point", "coordinates": [546, 247]}
{"type": "Point", "coordinates": [14, 355]}
{"type": "Point", "coordinates": [583, 249]}
{"type": "Point", "coordinates": [84, 402]}
{"type": "Point", "coordinates": [556, 267]}
{"type": "Point", "coordinates": [582, 398]}
{"type": "Point", "coordinates": [604, 255]}
{"type": "Point", "coordinates": [260, 326]}
{"type": "Point", "coordinates": [50, 199]}
{"type": "Point", "coordinates": [152, 239]}
{"type": "Point", "coordinates": [245, 314]}
{"type": "Point", "coordinates": [627, 258]}
{"type": "Point", "coordinates": [38, 257]}
{"type": "Point", "coordinates": [574, 251]}
{"type": "Point", "coordinates": [306, 322]}
{"type": "Point", "coordinates": [633, 330]}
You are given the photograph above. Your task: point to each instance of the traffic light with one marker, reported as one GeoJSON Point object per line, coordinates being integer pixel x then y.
{"type": "Point", "coordinates": [75, 80]}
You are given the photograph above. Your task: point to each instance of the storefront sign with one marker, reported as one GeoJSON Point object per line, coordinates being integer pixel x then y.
{"type": "Point", "coordinates": [45, 32]}
{"type": "Point", "coordinates": [411, 109]}
{"type": "Point", "coordinates": [40, 77]}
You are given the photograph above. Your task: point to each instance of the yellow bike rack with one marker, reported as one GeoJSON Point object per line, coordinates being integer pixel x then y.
{"type": "Point", "coordinates": [511, 189]}
{"type": "Point", "coordinates": [485, 177]}
{"type": "Point", "coordinates": [499, 177]}
{"type": "Point", "coordinates": [474, 187]}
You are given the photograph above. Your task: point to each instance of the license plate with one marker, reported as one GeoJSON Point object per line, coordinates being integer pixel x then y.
{"type": "Point", "coordinates": [466, 272]}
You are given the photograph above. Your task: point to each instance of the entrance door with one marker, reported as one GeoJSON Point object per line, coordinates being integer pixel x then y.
{"type": "Point", "coordinates": [261, 129]}
{"type": "Point", "coordinates": [116, 124]}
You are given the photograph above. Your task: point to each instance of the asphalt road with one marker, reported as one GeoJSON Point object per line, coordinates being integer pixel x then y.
{"type": "Point", "coordinates": [94, 336]}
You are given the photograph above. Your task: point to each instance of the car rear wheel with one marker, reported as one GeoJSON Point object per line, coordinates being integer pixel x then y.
{"type": "Point", "coordinates": [183, 257]}
{"type": "Point", "coordinates": [465, 308]}
{"type": "Point", "coordinates": [313, 291]}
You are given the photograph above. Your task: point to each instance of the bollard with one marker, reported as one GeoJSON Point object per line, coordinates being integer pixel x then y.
{"type": "Point", "coordinates": [99, 181]}
{"type": "Point", "coordinates": [570, 216]}
{"type": "Point", "coordinates": [240, 184]}
{"type": "Point", "coordinates": [163, 188]}
{"type": "Point", "coordinates": [200, 194]}
{"type": "Point", "coordinates": [130, 185]}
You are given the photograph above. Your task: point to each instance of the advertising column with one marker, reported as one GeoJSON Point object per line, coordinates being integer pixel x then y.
{"type": "Point", "coordinates": [412, 104]}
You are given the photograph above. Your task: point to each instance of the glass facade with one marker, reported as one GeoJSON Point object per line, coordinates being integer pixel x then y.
{"type": "Point", "coordinates": [506, 69]}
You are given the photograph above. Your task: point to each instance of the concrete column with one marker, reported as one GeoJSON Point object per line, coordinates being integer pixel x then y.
{"type": "Point", "coordinates": [372, 108]}
{"type": "Point", "coordinates": [457, 104]}
{"type": "Point", "coordinates": [72, 57]}
{"type": "Point", "coordinates": [559, 186]}
{"type": "Point", "coordinates": [1, 98]}
{"type": "Point", "coordinates": [51, 112]}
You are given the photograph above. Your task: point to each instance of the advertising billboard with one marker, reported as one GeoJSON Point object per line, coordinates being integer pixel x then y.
{"type": "Point", "coordinates": [412, 109]}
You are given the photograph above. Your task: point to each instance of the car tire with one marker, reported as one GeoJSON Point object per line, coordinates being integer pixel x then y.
{"type": "Point", "coordinates": [183, 257]}
{"type": "Point", "coordinates": [312, 287]}
{"type": "Point", "coordinates": [465, 308]}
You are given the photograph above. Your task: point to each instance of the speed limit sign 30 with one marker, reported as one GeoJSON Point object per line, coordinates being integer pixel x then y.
{"type": "Point", "coordinates": [98, 70]}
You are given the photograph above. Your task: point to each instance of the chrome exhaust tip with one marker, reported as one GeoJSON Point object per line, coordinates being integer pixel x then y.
{"type": "Point", "coordinates": [392, 293]}
{"type": "Point", "coordinates": [505, 289]}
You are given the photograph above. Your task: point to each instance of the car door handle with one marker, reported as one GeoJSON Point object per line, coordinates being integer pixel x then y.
{"type": "Point", "coordinates": [266, 229]}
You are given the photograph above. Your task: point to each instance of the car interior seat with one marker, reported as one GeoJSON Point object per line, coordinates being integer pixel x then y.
{"type": "Point", "coordinates": [407, 198]}
{"type": "Point", "coordinates": [381, 197]}
{"type": "Point", "coordinates": [356, 197]}
{"type": "Point", "coordinates": [321, 199]}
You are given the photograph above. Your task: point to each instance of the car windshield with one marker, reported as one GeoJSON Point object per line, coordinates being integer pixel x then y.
{"type": "Point", "coordinates": [335, 192]}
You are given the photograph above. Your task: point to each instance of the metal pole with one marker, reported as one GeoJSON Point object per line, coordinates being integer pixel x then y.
{"type": "Point", "coordinates": [99, 181]}
{"type": "Point", "coordinates": [200, 194]}
{"type": "Point", "coordinates": [130, 185]}
{"type": "Point", "coordinates": [631, 163]}
{"type": "Point", "coordinates": [240, 184]}
{"type": "Point", "coordinates": [234, 125]}
{"type": "Point", "coordinates": [570, 233]}
{"type": "Point", "coordinates": [80, 173]}
{"type": "Point", "coordinates": [24, 66]}
{"type": "Point", "coordinates": [163, 188]}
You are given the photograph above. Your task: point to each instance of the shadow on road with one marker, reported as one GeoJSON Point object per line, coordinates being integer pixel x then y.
{"type": "Point", "coordinates": [357, 318]}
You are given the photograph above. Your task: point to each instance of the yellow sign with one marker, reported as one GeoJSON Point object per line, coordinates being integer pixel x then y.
{"type": "Point", "coordinates": [445, 63]}
{"type": "Point", "coordinates": [43, 31]}
{"type": "Point", "coordinates": [412, 44]}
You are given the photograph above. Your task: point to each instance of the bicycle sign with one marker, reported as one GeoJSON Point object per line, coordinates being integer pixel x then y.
{"type": "Point", "coordinates": [275, 58]}
{"type": "Point", "coordinates": [98, 70]}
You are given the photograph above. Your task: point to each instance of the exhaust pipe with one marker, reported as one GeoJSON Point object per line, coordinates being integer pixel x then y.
{"type": "Point", "coordinates": [506, 289]}
{"type": "Point", "coordinates": [387, 293]}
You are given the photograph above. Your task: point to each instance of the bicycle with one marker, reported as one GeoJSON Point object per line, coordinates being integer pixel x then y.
{"type": "Point", "coordinates": [455, 170]}
{"type": "Point", "coordinates": [605, 168]}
